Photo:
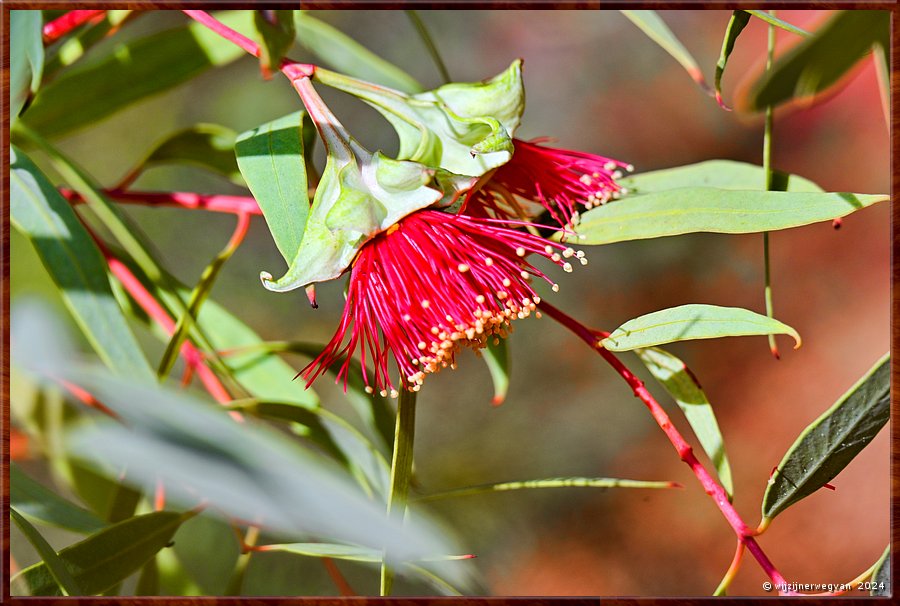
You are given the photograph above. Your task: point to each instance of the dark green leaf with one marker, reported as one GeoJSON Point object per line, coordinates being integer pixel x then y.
{"type": "Point", "coordinates": [109, 556]}
{"type": "Point", "coordinates": [688, 322]}
{"type": "Point", "coordinates": [680, 383]}
{"type": "Point", "coordinates": [773, 20]}
{"type": "Point", "coordinates": [722, 174]}
{"type": "Point", "coordinates": [736, 25]}
{"type": "Point", "coordinates": [130, 72]}
{"type": "Point", "coordinates": [148, 582]}
{"type": "Point", "coordinates": [271, 159]}
{"type": "Point", "coordinates": [348, 56]}
{"type": "Point", "coordinates": [819, 61]}
{"type": "Point", "coordinates": [56, 568]}
{"type": "Point", "coordinates": [75, 264]}
{"type": "Point", "coordinates": [881, 576]}
{"type": "Point", "coordinates": [547, 483]}
{"type": "Point", "coordinates": [828, 444]}
{"type": "Point", "coordinates": [498, 362]}
{"type": "Point", "coordinates": [706, 209]}
{"type": "Point", "coordinates": [656, 29]}
{"type": "Point", "coordinates": [275, 29]}
{"type": "Point", "coordinates": [208, 146]}
{"type": "Point", "coordinates": [41, 504]}
{"type": "Point", "coordinates": [26, 58]}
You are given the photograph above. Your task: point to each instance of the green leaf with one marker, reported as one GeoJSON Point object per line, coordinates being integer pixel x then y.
{"type": "Point", "coordinates": [822, 59]}
{"type": "Point", "coordinates": [199, 296]}
{"type": "Point", "coordinates": [41, 504]}
{"type": "Point", "coordinates": [463, 128]}
{"type": "Point", "coordinates": [547, 483]}
{"type": "Point", "coordinates": [271, 159]}
{"type": "Point", "coordinates": [208, 146]}
{"type": "Point", "coordinates": [109, 556]}
{"type": "Point", "coordinates": [73, 261]}
{"type": "Point", "coordinates": [656, 29]}
{"type": "Point", "coordinates": [830, 442]}
{"type": "Point", "coordinates": [881, 576]}
{"type": "Point", "coordinates": [348, 56]}
{"type": "Point", "coordinates": [276, 32]}
{"type": "Point", "coordinates": [695, 321]}
{"type": "Point", "coordinates": [682, 385]}
{"type": "Point", "coordinates": [132, 71]}
{"type": "Point", "coordinates": [328, 550]}
{"type": "Point", "coordinates": [736, 25]}
{"type": "Point", "coordinates": [706, 209]}
{"type": "Point", "coordinates": [498, 362]}
{"type": "Point", "coordinates": [773, 20]}
{"type": "Point", "coordinates": [722, 174]}
{"type": "Point", "coordinates": [26, 58]}
{"type": "Point", "coordinates": [55, 567]}
{"type": "Point", "coordinates": [77, 43]}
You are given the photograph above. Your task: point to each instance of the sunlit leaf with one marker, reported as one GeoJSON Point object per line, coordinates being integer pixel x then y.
{"type": "Point", "coordinates": [108, 556]}
{"type": "Point", "coordinates": [546, 483]}
{"type": "Point", "coordinates": [41, 504]}
{"type": "Point", "coordinates": [56, 568]}
{"type": "Point", "coordinates": [271, 159]}
{"type": "Point", "coordinates": [498, 362]}
{"type": "Point", "coordinates": [684, 388]}
{"type": "Point", "coordinates": [707, 209]}
{"type": "Point", "coordinates": [132, 71]}
{"type": "Point", "coordinates": [822, 59]}
{"type": "Point", "coordinates": [721, 174]}
{"type": "Point", "coordinates": [78, 43]}
{"type": "Point", "coordinates": [75, 264]}
{"type": "Point", "coordinates": [656, 29]}
{"type": "Point", "coordinates": [275, 29]}
{"type": "Point", "coordinates": [348, 56]}
{"type": "Point", "coordinates": [773, 20]}
{"type": "Point", "coordinates": [688, 322]}
{"type": "Point", "coordinates": [830, 442]}
{"type": "Point", "coordinates": [736, 25]}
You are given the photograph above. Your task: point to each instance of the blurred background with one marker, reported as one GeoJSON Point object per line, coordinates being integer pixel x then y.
{"type": "Point", "coordinates": [595, 83]}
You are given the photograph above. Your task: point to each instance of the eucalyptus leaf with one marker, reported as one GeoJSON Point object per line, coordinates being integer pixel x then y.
{"type": "Point", "coordinates": [463, 128]}
{"type": "Point", "coordinates": [108, 556]}
{"type": "Point", "coordinates": [656, 29]}
{"type": "Point", "coordinates": [574, 482]}
{"type": "Point", "coordinates": [272, 160]}
{"type": "Point", "coordinates": [498, 362]}
{"type": "Point", "coordinates": [131, 71]}
{"type": "Point", "coordinates": [348, 56]}
{"type": "Point", "coordinates": [688, 322]}
{"type": "Point", "coordinates": [682, 385]}
{"type": "Point", "coordinates": [773, 20]}
{"type": "Point", "coordinates": [73, 261]}
{"type": "Point", "coordinates": [830, 442]}
{"type": "Point", "coordinates": [209, 146]}
{"type": "Point", "coordinates": [822, 59]}
{"type": "Point", "coordinates": [41, 504]}
{"type": "Point", "coordinates": [54, 565]}
{"type": "Point", "coordinates": [737, 23]}
{"type": "Point", "coordinates": [881, 576]}
{"type": "Point", "coordinates": [26, 58]}
{"type": "Point", "coordinates": [708, 209]}
{"type": "Point", "coordinates": [275, 29]}
{"type": "Point", "coordinates": [76, 44]}
{"type": "Point", "coordinates": [721, 174]}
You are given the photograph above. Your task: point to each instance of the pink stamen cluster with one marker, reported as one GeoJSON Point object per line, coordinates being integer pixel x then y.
{"type": "Point", "coordinates": [557, 179]}
{"type": "Point", "coordinates": [430, 285]}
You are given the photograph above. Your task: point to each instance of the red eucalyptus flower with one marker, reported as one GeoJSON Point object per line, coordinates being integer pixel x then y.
{"type": "Point", "coordinates": [557, 179]}
{"type": "Point", "coordinates": [429, 285]}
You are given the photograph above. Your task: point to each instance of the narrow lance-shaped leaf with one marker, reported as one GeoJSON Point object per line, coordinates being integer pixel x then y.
{"type": "Point", "coordinates": [547, 483]}
{"type": "Point", "coordinates": [41, 504]}
{"type": "Point", "coordinates": [830, 442]}
{"type": "Point", "coordinates": [78, 43]}
{"type": "Point", "coordinates": [110, 555]}
{"type": "Point", "coordinates": [53, 564]}
{"type": "Point", "coordinates": [721, 174]}
{"type": "Point", "coordinates": [348, 56]}
{"type": "Point", "coordinates": [275, 29]}
{"type": "Point", "coordinates": [773, 20]}
{"type": "Point", "coordinates": [132, 71]}
{"type": "Point", "coordinates": [736, 25]}
{"type": "Point", "coordinates": [706, 209]}
{"type": "Point", "coordinates": [695, 321]}
{"type": "Point", "coordinates": [39, 211]}
{"type": "Point", "coordinates": [271, 158]}
{"type": "Point", "coordinates": [208, 146]}
{"type": "Point", "coordinates": [26, 58]}
{"type": "Point", "coordinates": [881, 576]}
{"type": "Point", "coordinates": [498, 362]}
{"type": "Point", "coordinates": [822, 59]}
{"type": "Point", "coordinates": [656, 29]}
{"type": "Point", "coordinates": [680, 383]}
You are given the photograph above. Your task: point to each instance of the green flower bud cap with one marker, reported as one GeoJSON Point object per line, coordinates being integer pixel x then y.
{"type": "Point", "coordinates": [463, 128]}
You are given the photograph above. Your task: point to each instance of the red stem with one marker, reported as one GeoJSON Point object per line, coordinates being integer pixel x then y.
{"type": "Point", "coordinates": [712, 488]}
{"type": "Point", "coordinates": [213, 202]}
{"type": "Point", "coordinates": [61, 26]}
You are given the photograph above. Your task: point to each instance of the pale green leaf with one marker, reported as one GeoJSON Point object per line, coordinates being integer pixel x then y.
{"type": "Point", "coordinates": [56, 568]}
{"type": "Point", "coordinates": [26, 58]}
{"type": "Point", "coordinates": [43, 505]}
{"type": "Point", "coordinates": [736, 25]}
{"type": "Point", "coordinates": [772, 20]}
{"type": "Point", "coordinates": [499, 364]}
{"type": "Point", "coordinates": [547, 483]}
{"type": "Point", "coordinates": [721, 174]}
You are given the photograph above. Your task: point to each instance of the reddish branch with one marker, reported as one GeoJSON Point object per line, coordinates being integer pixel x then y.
{"type": "Point", "coordinates": [213, 202]}
{"type": "Point", "coordinates": [712, 488]}
{"type": "Point", "coordinates": [58, 28]}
